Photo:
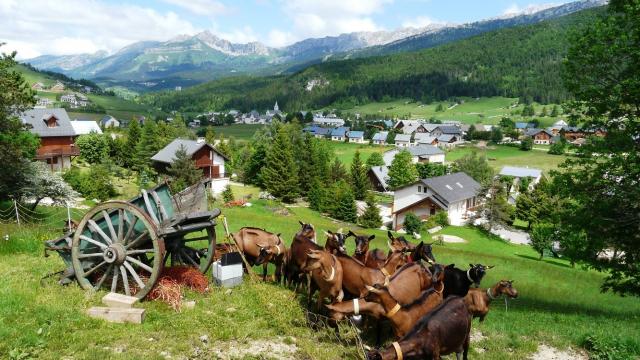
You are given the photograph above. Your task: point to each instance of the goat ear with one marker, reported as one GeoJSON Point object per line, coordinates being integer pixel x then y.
{"type": "Point", "coordinates": [261, 245]}
{"type": "Point", "coordinates": [471, 265]}
{"type": "Point", "coordinates": [328, 233]}
{"type": "Point", "coordinates": [351, 233]}
{"type": "Point", "coordinates": [372, 237]}
{"type": "Point", "coordinates": [301, 223]}
{"type": "Point", "coordinates": [313, 254]}
{"type": "Point", "coordinates": [490, 267]}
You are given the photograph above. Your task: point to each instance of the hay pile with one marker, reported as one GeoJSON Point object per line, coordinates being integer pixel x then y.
{"type": "Point", "coordinates": [172, 281]}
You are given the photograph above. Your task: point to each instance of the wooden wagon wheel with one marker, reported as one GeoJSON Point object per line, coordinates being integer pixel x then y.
{"type": "Point", "coordinates": [180, 252]}
{"type": "Point", "coordinates": [116, 245]}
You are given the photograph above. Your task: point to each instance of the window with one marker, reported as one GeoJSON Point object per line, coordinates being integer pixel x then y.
{"type": "Point", "coordinates": [419, 188]}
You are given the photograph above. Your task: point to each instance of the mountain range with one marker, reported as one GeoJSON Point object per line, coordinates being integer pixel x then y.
{"type": "Point", "coordinates": [189, 60]}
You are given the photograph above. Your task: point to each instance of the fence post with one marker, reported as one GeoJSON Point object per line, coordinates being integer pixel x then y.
{"type": "Point", "coordinates": [68, 214]}
{"type": "Point", "coordinates": [15, 206]}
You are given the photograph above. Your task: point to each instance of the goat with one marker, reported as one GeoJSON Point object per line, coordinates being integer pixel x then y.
{"type": "Point", "coordinates": [478, 301]}
{"type": "Point", "coordinates": [457, 282]}
{"type": "Point", "coordinates": [303, 242]}
{"type": "Point", "coordinates": [326, 274]}
{"type": "Point", "coordinates": [370, 258]}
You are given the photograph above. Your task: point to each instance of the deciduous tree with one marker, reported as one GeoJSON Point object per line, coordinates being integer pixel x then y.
{"type": "Point", "coordinates": [402, 171]}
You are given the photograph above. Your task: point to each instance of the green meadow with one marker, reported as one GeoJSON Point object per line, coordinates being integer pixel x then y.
{"type": "Point", "coordinates": [558, 305]}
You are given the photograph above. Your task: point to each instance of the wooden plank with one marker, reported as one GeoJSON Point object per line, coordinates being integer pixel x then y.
{"type": "Point", "coordinates": [117, 315]}
{"type": "Point", "coordinates": [115, 300]}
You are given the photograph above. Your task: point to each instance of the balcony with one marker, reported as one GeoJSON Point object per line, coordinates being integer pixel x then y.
{"type": "Point", "coordinates": [52, 152]}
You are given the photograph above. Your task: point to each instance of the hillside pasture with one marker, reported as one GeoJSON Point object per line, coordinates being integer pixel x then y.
{"type": "Point", "coordinates": [558, 305]}
{"type": "Point", "coordinates": [501, 155]}
{"type": "Point", "coordinates": [486, 111]}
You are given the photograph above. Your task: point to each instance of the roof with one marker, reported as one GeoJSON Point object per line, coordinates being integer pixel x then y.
{"type": "Point", "coordinates": [339, 131]}
{"type": "Point", "coordinates": [388, 123]}
{"type": "Point", "coordinates": [380, 136]}
{"type": "Point", "coordinates": [167, 154]}
{"type": "Point", "coordinates": [427, 139]}
{"type": "Point", "coordinates": [520, 172]}
{"type": "Point", "coordinates": [446, 138]}
{"type": "Point", "coordinates": [403, 137]}
{"type": "Point", "coordinates": [430, 127]}
{"type": "Point", "coordinates": [533, 132]}
{"type": "Point", "coordinates": [450, 129]}
{"type": "Point", "coordinates": [107, 118]}
{"type": "Point", "coordinates": [425, 150]}
{"type": "Point", "coordinates": [523, 125]}
{"type": "Point", "coordinates": [36, 118]}
{"type": "Point", "coordinates": [311, 129]}
{"type": "Point", "coordinates": [382, 174]}
{"type": "Point", "coordinates": [453, 187]}
{"type": "Point", "coordinates": [323, 131]}
{"type": "Point", "coordinates": [571, 129]}
{"type": "Point", "coordinates": [355, 134]}
{"type": "Point", "coordinates": [82, 127]}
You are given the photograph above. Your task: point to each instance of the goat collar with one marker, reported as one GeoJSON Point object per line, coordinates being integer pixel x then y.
{"type": "Point", "coordinates": [278, 249]}
{"type": "Point", "coordinates": [491, 296]}
{"type": "Point", "coordinates": [441, 288]}
{"type": "Point", "coordinates": [469, 277]}
{"type": "Point", "coordinates": [396, 346]}
{"type": "Point", "coordinates": [393, 311]}
{"type": "Point", "coordinates": [356, 307]}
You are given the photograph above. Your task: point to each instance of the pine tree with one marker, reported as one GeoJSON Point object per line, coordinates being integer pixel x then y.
{"type": "Point", "coordinates": [210, 135]}
{"type": "Point", "coordinates": [317, 196]}
{"type": "Point", "coordinates": [280, 174]}
{"type": "Point", "coordinates": [554, 111]}
{"type": "Point", "coordinates": [133, 137]}
{"type": "Point", "coordinates": [402, 171]}
{"type": "Point", "coordinates": [359, 179]}
{"type": "Point", "coordinates": [345, 205]}
{"type": "Point", "coordinates": [183, 171]}
{"type": "Point", "coordinates": [337, 171]}
{"type": "Point", "coordinates": [147, 146]}
{"type": "Point", "coordinates": [375, 159]}
{"type": "Point", "coordinates": [371, 216]}
{"type": "Point", "coordinates": [227, 194]}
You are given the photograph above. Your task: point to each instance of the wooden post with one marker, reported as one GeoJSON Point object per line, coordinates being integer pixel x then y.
{"type": "Point", "coordinates": [15, 206]}
{"type": "Point", "coordinates": [68, 215]}
{"type": "Point", "coordinates": [246, 263]}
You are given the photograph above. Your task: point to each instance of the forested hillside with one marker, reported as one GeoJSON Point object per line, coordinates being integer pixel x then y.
{"type": "Point", "coordinates": [517, 62]}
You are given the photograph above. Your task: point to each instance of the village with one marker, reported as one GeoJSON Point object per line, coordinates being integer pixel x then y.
{"type": "Point", "coordinates": [194, 180]}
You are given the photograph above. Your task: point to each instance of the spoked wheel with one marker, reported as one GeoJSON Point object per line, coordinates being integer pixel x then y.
{"type": "Point", "coordinates": [192, 251]}
{"type": "Point", "coordinates": [116, 246]}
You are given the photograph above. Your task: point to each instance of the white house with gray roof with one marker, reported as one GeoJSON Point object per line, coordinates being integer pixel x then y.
{"type": "Point", "coordinates": [402, 140]}
{"type": "Point", "coordinates": [456, 194]}
{"type": "Point", "coordinates": [419, 154]}
{"type": "Point", "coordinates": [519, 173]}
{"type": "Point", "coordinates": [206, 157]}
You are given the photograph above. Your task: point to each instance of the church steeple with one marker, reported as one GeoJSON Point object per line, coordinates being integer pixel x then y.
{"type": "Point", "coordinates": [276, 107]}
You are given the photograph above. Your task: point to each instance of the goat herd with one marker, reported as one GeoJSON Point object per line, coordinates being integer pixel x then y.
{"type": "Point", "coordinates": [430, 308]}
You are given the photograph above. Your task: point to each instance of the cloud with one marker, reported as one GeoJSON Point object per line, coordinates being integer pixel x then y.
{"type": "Point", "coordinates": [514, 9]}
{"type": "Point", "coordinates": [420, 22]}
{"type": "Point", "coordinates": [200, 7]}
{"type": "Point", "coordinates": [241, 35]}
{"type": "Point", "coordinates": [278, 38]}
{"type": "Point", "coordinates": [313, 18]}
{"type": "Point", "coordinates": [37, 27]}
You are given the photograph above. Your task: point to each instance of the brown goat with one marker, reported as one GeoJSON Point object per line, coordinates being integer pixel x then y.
{"type": "Point", "coordinates": [443, 331]}
{"type": "Point", "coordinates": [326, 275]}
{"type": "Point", "coordinates": [261, 247]}
{"type": "Point", "coordinates": [370, 258]}
{"type": "Point", "coordinates": [356, 276]}
{"type": "Point", "coordinates": [403, 318]}
{"type": "Point", "coordinates": [395, 261]}
{"type": "Point", "coordinates": [478, 300]}
{"type": "Point", "coordinates": [399, 243]}
{"type": "Point", "coordinates": [335, 242]}
{"type": "Point", "coordinates": [303, 242]}
{"type": "Point", "coordinates": [411, 280]}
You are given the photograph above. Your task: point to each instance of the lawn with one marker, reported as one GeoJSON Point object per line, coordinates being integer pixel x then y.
{"type": "Point", "coordinates": [238, 131]}
{"type": "Point", "coordinates": [501, 155]}
{"type": "Point", "coordinates": [346, 151]}
{"type": "Point", "coordinates": [473, 111]}
{"type": "Point", "coordinates": [558, 305]}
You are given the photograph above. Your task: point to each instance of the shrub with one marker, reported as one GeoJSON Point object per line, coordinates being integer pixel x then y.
{"type": "Point", "coordinates": [441, 218]}
{"type": "Point", "coordinates": [608, 349]}
{"type": "Point", "coordinates": [94, 184]}
{"type": "Point", "coordinates": [412, 224]}
{"type": "Point", "coordinates": [371, 216]}
{"type": "Point", "coordinates": [227, 194]}
{"type": "Point", "coordinates": [557, 148]}
{"type": "Point", "coordinates": [526, 144]}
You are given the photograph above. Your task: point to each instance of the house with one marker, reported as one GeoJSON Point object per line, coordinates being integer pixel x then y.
{"type": "Point", "coordinates": [380, 138]}
{"type": "Point", "coordinates": [109, 122]}
{"type": "Point", "coordinates": [447, 140]}
{"type": "Point", "coordinates": [37, 86]}
{"type": "Point", "coordinates": [339, 133]}
{"type": "Point", "coordinates": [388, 124]}
{"type": "Point", "coordinates": [539, 136]}
{"type": "Point", "coordinates": [322, 133]}
{"type": "Point", "coordinates": [83, 127]}
{"type": "Point", "coordinates": [447, 130]}
{"type": "Point", "coordinates": [322, 121]}
{"type": "Point", "coordinates": [456, 194]}
{"type": "Point", "coordinates": [519, 173]}
{"type": "Point", "coordinates": [522, 126]}
{"type": "Point", "coordinates": [58, 87]}
{"type": "Point", "coordinates": [425, 139]}
{"type": "Point", "coordinates": [403, 140]}
{"type": "Point", "coordinates": [43, 102]}
{"type": "Point", "coordinates": [57, 136]}
{"type": "Point", "coordinates": [378, 175]}
{"type": "Point", "coordinates": [356, 137]}
{"type": "Point", "coordinates": [206, 157]}
{"type": "Point", "coordinates": [419, 154]}
{"type": "Point", "coordinates": [560, 123]}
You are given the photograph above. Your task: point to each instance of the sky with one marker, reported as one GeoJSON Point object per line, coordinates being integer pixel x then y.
{"type": "Point", "coordinates": [39, 27]}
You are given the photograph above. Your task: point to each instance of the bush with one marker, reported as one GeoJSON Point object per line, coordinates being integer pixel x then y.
{"type": "Point", "coordinates": [608, 349]}
{"type": "Point", "coordinates": [371, 217]}
{"type": "Point", "coordinates": [94, 184]}
{"type": "Point", "coordinates": [526, 144]}
{"type": "Point", "coordinates": [441, 218]}
{"type": "Point", "coordinates": [557, 148]}
{"type": "Point", "coordinates": [227, 194]}
{"type": "Point", "coordinates": [412, 224]}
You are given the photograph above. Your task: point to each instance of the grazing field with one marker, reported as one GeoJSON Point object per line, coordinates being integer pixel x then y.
{"type": "Point", "coordinates": [238, 131]}
{"type": "Point", "coordinates": [501, 155]}
{"type": "Point", "coordinates": [346, 151]}
{"type": "Point", "coordinates": [558, 306]}
{"type": "Point", "coordinates": [472, 111]}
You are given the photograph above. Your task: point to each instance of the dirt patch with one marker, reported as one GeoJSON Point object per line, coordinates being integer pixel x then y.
{"type": "Point", "coordinates": [476, 336]}
{"type": "Point", "coordinates": [269, 349]}
{"type": "Point", "coordinates": [546, 352]}
{"type": "Point", "coordinates": [451, 239]}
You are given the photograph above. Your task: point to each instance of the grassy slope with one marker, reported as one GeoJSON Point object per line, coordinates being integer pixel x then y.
{"type": "Point", "coordinates": [558, 305]}
{"type": "Point", "coordinates": [500, 156]}
{"type": "Point", "coordinates": [485, 111]}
